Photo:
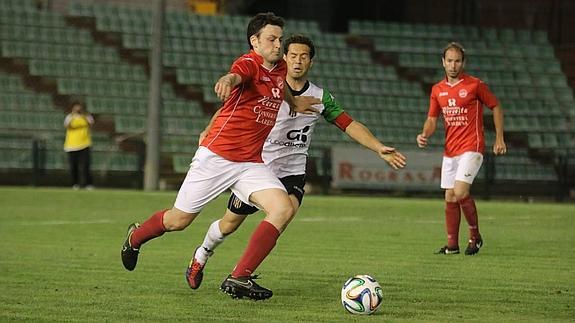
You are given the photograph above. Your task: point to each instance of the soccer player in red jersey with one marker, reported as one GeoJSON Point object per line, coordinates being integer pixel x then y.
{"type": "Point", "coordinates": [230, 155]}
{"type": "Point", "coordinates": [285, 154]}
{"type": "Point", "coordinates": [460, 99]}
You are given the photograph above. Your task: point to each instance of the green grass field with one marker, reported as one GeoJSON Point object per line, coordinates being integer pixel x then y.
{"type": "Point", "coordinates": [60, 261]}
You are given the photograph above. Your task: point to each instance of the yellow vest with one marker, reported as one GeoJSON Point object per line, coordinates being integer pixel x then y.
{"type": "Point", "coordinates": [77, 133]}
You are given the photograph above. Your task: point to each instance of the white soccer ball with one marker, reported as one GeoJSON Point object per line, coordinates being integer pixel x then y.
{"type": "Point", "coordinates": [361, 294]}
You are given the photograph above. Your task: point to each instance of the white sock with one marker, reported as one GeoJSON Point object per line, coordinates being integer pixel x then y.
{"type": "Point", "coordinates": [212, 240]}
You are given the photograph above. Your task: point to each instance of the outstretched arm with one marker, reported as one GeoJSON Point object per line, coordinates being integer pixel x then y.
{"type": "Point", "coordinates": [226, 84]}
{"type": "Point", "coordinates": [428, 129]}
{"type": "Point", "coordinates": [363, 136]}
{"type": "Point", "coordinates": [499, 148]}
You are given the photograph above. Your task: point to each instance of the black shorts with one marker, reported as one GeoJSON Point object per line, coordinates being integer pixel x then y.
{"type": "Point", "coordinates": [294, 186]}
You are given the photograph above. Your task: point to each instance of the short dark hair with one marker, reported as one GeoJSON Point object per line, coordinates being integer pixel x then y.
{"type": "Point", "coordinates": [259, 21]}
{"type": "Point", "coordinates": [456, 46]}
{"type": "Point", "coordinates": [299, 39]}
{"type": "Point", "coordinates": [77, 102]}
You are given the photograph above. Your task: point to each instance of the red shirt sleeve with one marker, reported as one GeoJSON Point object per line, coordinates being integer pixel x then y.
{"type": "Point", "coordinates": [245, 67]}
{"type": "Point", "coordinates": [486, 96]}
{"type": "Point", "coordinates": [434, 108]}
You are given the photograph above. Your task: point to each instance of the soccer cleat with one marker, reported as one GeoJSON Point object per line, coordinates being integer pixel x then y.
{"type": "Point", "coordinates": [473, 246]}
{"type": "Point", "coordinates": [445, 250]}
{"type": "Point", "coordinates": [129, 254]}
{"type": "Point", "coordinates": [245, 287]}
{"type": "Point", "coordinates": [195, 271]}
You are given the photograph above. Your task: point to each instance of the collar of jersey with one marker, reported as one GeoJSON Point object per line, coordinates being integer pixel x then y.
{"type": "Point", "coordinates": [462, 77]}
{"type": "Point", "coordinates": [300, 92]}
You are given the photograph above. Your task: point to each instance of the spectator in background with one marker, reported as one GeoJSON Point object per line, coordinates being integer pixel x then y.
{"type": "Point", "coordinates": [460, 98]}
{"type": "Point", "coordinates": [77, 144]}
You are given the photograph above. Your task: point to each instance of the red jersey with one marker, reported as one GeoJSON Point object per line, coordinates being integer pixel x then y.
{"type": "Point", "coordinates": [247, 117]}
{"type": "Point", "coordinates": [462, 107]}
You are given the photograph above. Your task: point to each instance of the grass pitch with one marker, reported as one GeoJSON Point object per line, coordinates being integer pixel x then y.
{"type": "Point", "coordinates": [60, 261]}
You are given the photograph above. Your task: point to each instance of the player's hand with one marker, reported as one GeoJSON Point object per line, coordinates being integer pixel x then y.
{"type": "Point", "coordinates": [499, 148]}
{"type": "Point", "coordinates": [304, 104]}
{"type": "Point", "coordinates": [394, 158]}
{"type": "Point", "coordinates": [223, 87]}
{"type": "Point", "coordinates": [421, 141]}
{"type": "Point", "coordinates": [203, 135]}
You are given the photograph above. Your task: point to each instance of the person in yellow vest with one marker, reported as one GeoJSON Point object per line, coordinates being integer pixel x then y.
{"type": "Point", "coordinates": [77, 144]}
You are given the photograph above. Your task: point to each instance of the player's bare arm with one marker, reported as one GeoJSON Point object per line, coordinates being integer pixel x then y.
{"type": "Point", "coordinates": [360, 133]}
{"type": "Point", "coordinates": [301, 104]}
{"type": "Point", "coordinates": [205, 131]}
{"type": "Point", "coordinates": [499, 147]}
{"type": "Point", "coordinates": [225, 85]}
{"type": "Point", "coordinates": [428, 129]}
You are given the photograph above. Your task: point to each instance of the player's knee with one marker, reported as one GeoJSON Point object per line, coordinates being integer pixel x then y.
{"type": "Point", "coordinates": [287, 212]}
{"type": "Point", "coordinates": [177, 220]}
{"type": "Point", "coordinates": [450, 196]}
{"type": "Point", "coordinates": [283, 211]}
{"type": "Point", "coordinates": [460, 195]}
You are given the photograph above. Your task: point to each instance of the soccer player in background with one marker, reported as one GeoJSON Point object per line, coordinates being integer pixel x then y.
{"type": "Point", "coordinates": [285, 152]}
{"type": "Point", "coordinates": [460, 99]}
{"type": "Point", "coordinates": [230, 154]}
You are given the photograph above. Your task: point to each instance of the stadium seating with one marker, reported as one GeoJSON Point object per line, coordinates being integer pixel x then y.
{"type": "Point", "coordinates": [80, 62]}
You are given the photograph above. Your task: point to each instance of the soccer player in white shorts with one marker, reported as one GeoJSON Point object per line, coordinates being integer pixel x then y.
{"type": "Point", "coordinates": [286, 154]}
{"type": "Point", "coordinates": [460, 99]}
{"type": "Point", "coordinates": [230, 156]}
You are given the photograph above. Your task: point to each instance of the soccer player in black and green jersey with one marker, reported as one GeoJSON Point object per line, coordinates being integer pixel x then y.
{"type": "Point", "coordinates": [285, 152]}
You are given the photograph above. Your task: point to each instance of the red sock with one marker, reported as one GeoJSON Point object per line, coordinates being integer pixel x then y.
{"type": "Point", "coordinates": [152, 228]}
{"type": "Point", "coordinates": [261, 244]}
{"type": "Point", "coordinates": [470, 212]}
{"type": "Point", "coordinates": [452, 220]}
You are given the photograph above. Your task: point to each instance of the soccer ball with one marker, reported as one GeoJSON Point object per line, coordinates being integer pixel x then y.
{"type": "Point", "coordinates": [361, 294]}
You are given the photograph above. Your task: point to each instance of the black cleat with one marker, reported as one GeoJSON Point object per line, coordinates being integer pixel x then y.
{"type": "Point", "coordinates": [129, 254]}
{"type": "Point", "coordinates": [445, 250]}
{"type": "Point", "coordinates": [245, 287]}
{"type": "Point", "coordinates": [473, 246]}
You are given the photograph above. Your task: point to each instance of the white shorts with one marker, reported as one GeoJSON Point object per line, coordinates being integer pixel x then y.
{"type": "Point", "coordinates": [462, 168]}
{"type": "Point", "coordinates": [210, 175]}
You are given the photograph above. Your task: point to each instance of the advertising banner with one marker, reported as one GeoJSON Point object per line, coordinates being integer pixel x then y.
{"type": "Point", "coordinates": [360, 168]}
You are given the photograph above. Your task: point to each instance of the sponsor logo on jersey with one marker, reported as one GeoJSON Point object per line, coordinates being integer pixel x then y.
{"type": "Point", "coordinates": [462, 93]}
{"type": "Point", "coordinates": [298, 134]}
{"type": "Point", "coordinates": [443, 93]}
{"type": "Point", "coordinates": [296, 138]}
{"type": "Point", "coordinates": [286, 143]}
{"type": "Point", "coordinates": [267, 109]}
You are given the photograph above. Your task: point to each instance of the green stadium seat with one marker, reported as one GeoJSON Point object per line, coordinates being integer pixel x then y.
{"type": "Point", "coordinates": [523, 36]}
{"type": "Point", "coordinates": [540, 37]}
{"type": "Point", "coordinates": [18, 5]}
